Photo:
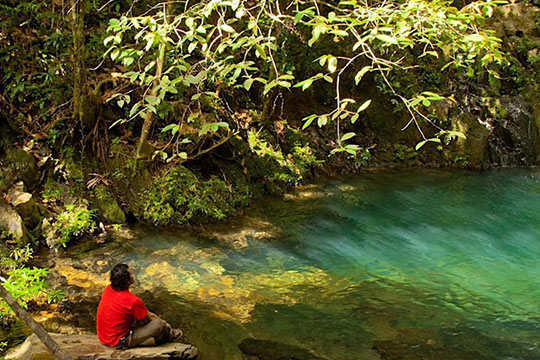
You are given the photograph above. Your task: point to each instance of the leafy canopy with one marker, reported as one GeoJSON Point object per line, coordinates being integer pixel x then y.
{"type": "Point", "coordinates": [189, 52]}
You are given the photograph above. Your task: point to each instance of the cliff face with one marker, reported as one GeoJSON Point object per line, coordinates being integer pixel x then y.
{"type": "Point", "coordinates": [499, 116]}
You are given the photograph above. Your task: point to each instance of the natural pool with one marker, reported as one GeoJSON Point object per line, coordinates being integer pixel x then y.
{"type": "Point", "coordinates": [387, 265]}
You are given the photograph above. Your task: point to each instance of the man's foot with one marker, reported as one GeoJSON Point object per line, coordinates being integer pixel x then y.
{"type": "Point", "coordinates": [175, 334]}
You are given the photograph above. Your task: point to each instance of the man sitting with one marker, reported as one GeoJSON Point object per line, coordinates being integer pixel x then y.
{"type": "Point", "coordinates": [122, 319]}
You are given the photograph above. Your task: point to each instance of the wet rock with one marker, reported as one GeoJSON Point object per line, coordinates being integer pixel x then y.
{"type": "Point", "coordinates": [88, 347]}
{"type": "Point", "coordinates": [26, 206]}
{"type": "Point", "coordinates": [254, 349]}
{"type": "Point", "coordinates": [12, 223]}
{"type": "Point", "coordinates": [514, 139]}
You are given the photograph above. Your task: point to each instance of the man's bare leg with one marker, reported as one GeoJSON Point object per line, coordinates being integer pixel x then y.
{"type": "Point", "coordinates": [156, 328]}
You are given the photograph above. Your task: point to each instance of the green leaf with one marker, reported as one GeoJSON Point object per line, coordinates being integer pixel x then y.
{"type": "Point", "coordinates": [248, 83]}
{"type": "Point", "coordinates": [152, 100]}
{"type": "Point", "coordinates": [108, 40]}
{"type": "Point", "coordinates": [117, 122]}
{"type": "Point", "coordinates": [304, 84]}
{"type": "Point", "coordinates": [115, 54]}
{"type": "Point", "coordinates": [149, 66]}
{"type": "Point", "coordinates": [328, 79]}
{"type": "Point", "coordinates": [354, 118]}
{"type": "Point", "coordinates": [227, 28]}
{"type": "Point", "coordinates": [114, 22]}
{"type": "Point", "coordinates": [322, 60]}
{"type": "Point", "coordinates": [386, 39]}
{"type": "Point", "coordinates": [332, 63]}
{"type": "Point", "coordinates": [364, 106]}
{"type": "Point", "coordinates": [474, 38]}
{"type": "Point", "coordinates": [269, 86]}
{"type": "Point", "coordinates": [359, 75]}
{"type": "Point", "coordinates": [284, 84]}
{"type": "Point", "coordinates": [432, 95]}
{"type": "Point", "coordinates": [138, 35]}
{"type": "Point", "coordinates": [308, 120]}
{"type": "Point", "coordinates": [455, 134]}
{"type": "Point", "coordinates": [348, 136]}
{"type": "Point", "coordinates": [322, 120]}
{"type": "Point", "coordinates": [286, 77]}
{"type": "Point", "coordinates": [419, 145]}
{"type": "Point", "coordinates": [128, 61]}
{"type": "Point", "coordinates": [222, 124]}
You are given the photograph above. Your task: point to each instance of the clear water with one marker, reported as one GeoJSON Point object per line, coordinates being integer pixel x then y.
{"type": "Point", "coordinates": [390, 265]}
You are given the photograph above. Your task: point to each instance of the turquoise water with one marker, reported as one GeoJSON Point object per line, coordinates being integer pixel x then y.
{"type": "Point", "coordinates": [388, 265]}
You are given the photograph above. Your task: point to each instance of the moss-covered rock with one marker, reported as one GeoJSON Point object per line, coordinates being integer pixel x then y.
{"type": "Point", "coordinates": [20, 165]}
{"type": "Point", "coordinates": [106, 205]}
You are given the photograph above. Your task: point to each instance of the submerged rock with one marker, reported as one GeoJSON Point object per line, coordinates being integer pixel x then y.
{"type": "Point", "coordinates": [254, 349]}
{"type": "Point", "coordinates": [402, 350]}
{"type": "Point", "coordinates": [88, 347]}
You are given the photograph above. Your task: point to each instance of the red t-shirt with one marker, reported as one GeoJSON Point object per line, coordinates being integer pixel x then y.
{"type": "Point", "coordinates": [115, 315]}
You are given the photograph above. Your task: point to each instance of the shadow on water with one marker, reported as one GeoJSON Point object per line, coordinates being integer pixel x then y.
{"type": "Point", "coordinates": [13, 334]}
{"type": "Point", "coordinates": [391, 265]}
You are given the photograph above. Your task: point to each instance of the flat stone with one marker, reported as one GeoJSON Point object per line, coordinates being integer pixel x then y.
{"type": "Point", "coordinates": [88, 347]}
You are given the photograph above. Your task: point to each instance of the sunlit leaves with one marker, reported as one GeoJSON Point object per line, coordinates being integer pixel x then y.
{"type": "Point", "coordinates": [212, 127]}
{"type": "Point", "coordinates": [389, 40]}
{"type": "Point", "coordinates": [446, 135]}
{"type": "Point", "coordinates": [234, 44]}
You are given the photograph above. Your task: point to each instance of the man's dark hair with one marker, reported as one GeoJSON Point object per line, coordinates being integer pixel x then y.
{"type": "Point", "coordinates": [120, 277]}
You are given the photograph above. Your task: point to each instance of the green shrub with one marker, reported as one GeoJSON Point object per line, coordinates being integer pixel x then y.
{"type": "Point", "coordinates": [52, 191]}
{"type": "Point", "coordinates": [404, 152]}
{"type": "Point", "coordinates": [73, 222]}
{"type": "Point", "coordinates": [284, 170]}
{"type": "Point", "coordinates": [28, 285]}
{"type": "Point", "coordinates": [179, 196]}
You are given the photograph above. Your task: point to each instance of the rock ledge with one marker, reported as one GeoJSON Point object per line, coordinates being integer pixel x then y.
{"type": "Point", "coordinates": [87, 347]}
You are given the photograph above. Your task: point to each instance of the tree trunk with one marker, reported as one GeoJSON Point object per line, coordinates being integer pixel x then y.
{"type": "Point", "coordinates": [144, 149]}
{"type": "Point", "coordinates": [35, 326]}
{"type": "Point", "coordinates": [80, 90]}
